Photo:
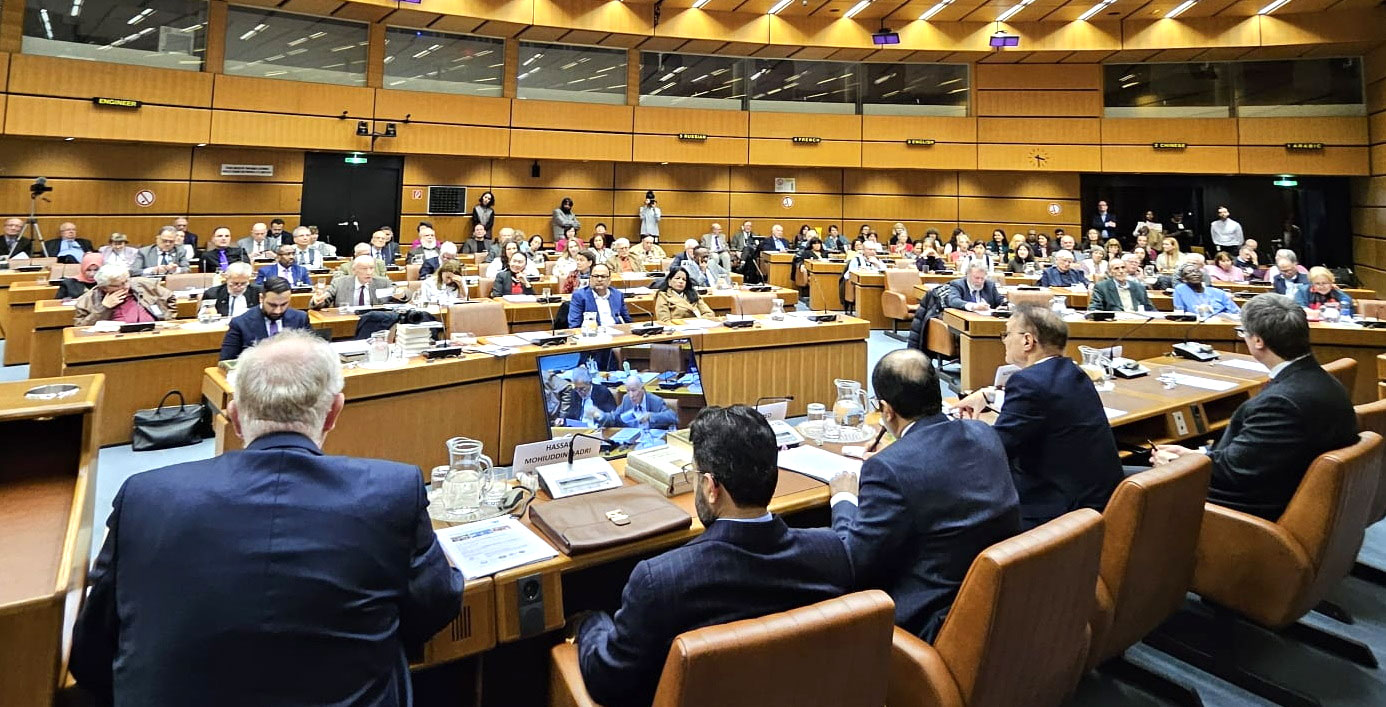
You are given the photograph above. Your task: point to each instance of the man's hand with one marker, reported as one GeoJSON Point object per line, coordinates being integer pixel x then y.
{"type": "Point", "coordinates": [843, 482]}
{"type": "Point", "coordinates": [1166, 453]}
{"type": "Point", "coordinates": [113, 299]}
{"type": "Point", "coordinates": [973, 405]}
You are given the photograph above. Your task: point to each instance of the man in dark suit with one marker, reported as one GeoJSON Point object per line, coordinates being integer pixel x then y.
{"type": "Point", "coordinates": [1104, 222]}
{"type": "Point", "coordinates": [1062, 274]}
{"type": "Point", "coordinates": [1288, 279]}
{"type": "Point", "coordinates": [747, 563]}
{"type": "Point", "coordinates": [776, 242]}
{"type": "Point", "coordinates": [271, 316]}
{"type": "Point", "coordinates": [14, 244]}
{"type": "Point", "coordinates": [929, 503]}
{"type": "Point", "coordinates": [1119, 292]}
{"type": "Point", "coordinates": [383, 248]}
{"type": "Point", "coordinates": [273, 575]}
{"type": "Point", "coordinates": [68, 248]}
{"type": "Point", "coordinates": [236, 294]}
{"type": "Point", "coordinates": [285, 267]}
{"type": "Point", "coordinates": [1299, 414]}
{"type": "Point", "coordinates": [975, 292]}
{"type": "Point", "coordinates": [598, 288]}
{"type": "Point", "coordinates": [220, 254]}
{"type": "Point", "coordinates": [640, 408]}
{"type": "Point", "coordinates": [1061, 447]}
{"type": "Point", "coordinates": [583, 400]}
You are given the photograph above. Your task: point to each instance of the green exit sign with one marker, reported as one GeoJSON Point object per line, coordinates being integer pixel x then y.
{"type": "Point", "coordinates": [1286, 182]}
{"type": "Point", "coordinates": [354, 159]}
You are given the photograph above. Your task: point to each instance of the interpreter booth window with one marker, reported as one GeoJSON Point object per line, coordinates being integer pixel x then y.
{"type": "Point", "coordinates": [416, 60]}
{"type": "Point", "coordinates": [565, 72]}
{"type": "Point", "coordinates": [279, 45]}
{"type": "Point", "coordinates": [1193, 90]}
{"type": "Point", "coordinates": [914, 89]}
{"type": "Point", "coordinates": [692, 81]}
{"type": "Point", "coordinates": [1306, 88]}
{"type": "Point", "coordinates": [170, 34]}
{"type": "Point", "coordinates": [790, 86]}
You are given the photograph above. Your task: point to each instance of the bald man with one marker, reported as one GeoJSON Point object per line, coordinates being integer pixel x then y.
{"type": "Point", "coordinates": [68, 248]}
{"type": "Point", "coordinates": [14, 245]}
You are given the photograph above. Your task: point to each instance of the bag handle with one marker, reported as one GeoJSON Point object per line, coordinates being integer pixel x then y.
{"type": "Point", "coordinates": [181, 402]}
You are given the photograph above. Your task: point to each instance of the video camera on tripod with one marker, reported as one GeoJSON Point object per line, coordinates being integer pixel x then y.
{"type": "Point", "coordinates": [39, 187]}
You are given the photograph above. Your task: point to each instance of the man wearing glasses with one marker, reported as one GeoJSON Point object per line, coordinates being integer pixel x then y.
{"type": "Point", "coordinates": [747, 563]}
{"type": "Point", "coordinates": [1062, 451]}
{"type": "Point", "coordinates": [599, 297]}
{"type": "Point", "coordinates": [1299, 414]}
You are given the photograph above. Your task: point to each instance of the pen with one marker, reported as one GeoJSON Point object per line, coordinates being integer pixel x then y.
{"type": "Point", "coordinates": [877, 441]}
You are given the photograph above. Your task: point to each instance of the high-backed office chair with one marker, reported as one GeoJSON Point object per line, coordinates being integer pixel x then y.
{"type": "Point", "coordinates": [44, 261]}
{"type": "Point", "coordinates": [1273, 573]}
{"type": "Point", "coordinates": [666, 357]}
{"type": "Point", "coordinates": [483, 287]}
{"type": "Point", "coordinates": [898, 302]}
{"type": "Point", "coordinates": [835, 653]}
{"type": "Point", "coordinates": [411, 272]}
{"type": "Point", "coordinates": [182, 281]}
{"type": "Point", "coordinates": [1036, 297]}
{"type": "Point", "coordinates": [1018, 631]}
{"type": "Point", "coordinates": [61, 271]}
{"type": "Point", "coordinates": [480, 318]}
{"type": "Point", "coordinates": [1345, 370]}
{"type": "Point", "coordinates": [753, 302]}
{"type": "Point", "coordinates": [1371, 417]}
{"type": "Point", "coordinates": [1152, 523]}
{"type": "Point", "coordinates": [1373, 308]}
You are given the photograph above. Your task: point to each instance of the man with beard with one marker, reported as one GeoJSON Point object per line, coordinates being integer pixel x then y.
{"type": "Point", "coordinates": [271, 317]}
{"type": "Point", "coordinates": [747, 563]}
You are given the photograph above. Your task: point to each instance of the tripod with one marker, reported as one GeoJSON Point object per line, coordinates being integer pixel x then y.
{"type": "Point", "coordinates": [31, 226]}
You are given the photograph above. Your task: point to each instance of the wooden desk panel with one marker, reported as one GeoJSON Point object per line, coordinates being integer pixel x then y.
{"type": "Point", "coordinates": [472, 632]}
{"type": "Point", "coordinates": [539, 317]}
{"type": "Point", "coordinates": [776, 268]}
{"type": "Point", "coordinates": [8, 279]}
{"type": "Point", "coordinates": [869, 287]}
{"type": "Point", "coordinates": [824, 276]}
{"type": "Point", "coordinates": [21, 311]}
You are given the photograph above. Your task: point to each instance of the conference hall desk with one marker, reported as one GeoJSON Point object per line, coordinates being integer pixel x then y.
{"type": "Point", "coordinates": [533, 316]}
{"type": "Point", "coordinates": [22, 298]}
{"type": "Point", "coordinates": [9, 278]}
{"type": "Point", "coordinates": [406, 413]}
{"type": "Point", "coordinates": [777, 268]}
{"type": "Point", "coordinates": [982, 351]}
{"type": "Point", "coordinates": [824, 276]}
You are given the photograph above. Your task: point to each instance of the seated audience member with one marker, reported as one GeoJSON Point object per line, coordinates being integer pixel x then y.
{"type": "Point", "coordinates": [600, 243]}
{"type": "Point", "coordinates": [676, 299]}
{"type": "Point", "coordinates": [501, 264]}
{"type": "Point", "coordinates": [277, 234]}
{"type": "Point", "coordinates": [235, 294]}
{"type": "Point", "coordinates": [14, 245]}
{"type": "Point", "coordinates": [304, 252]}
{"type": "Point", "coordinates": [929, 503]}
{"type": "Point", "coordinates": [348, 268]}
{"type": "Point", "coordinates": [444, 287]}
{"type": "Point", "coordinates": [998, 246]}
{"type": "Point", "coordinates": [1191, 293]}
{"type": "Point", "coordinates": [1170, 258]}
{"type": "Point", "coordinates": [747, 563]}
{"type": "Point", "coordinates": [703, 270]}
{"type": "Point", "coordinates": [1249, 262]}
{"type": "Point", "coordinates": [958, 248]}
{"type": "Point", "coordinates": [582, 400]}
{"type": "Point", "coordinates": [974, 292]}
{"type": "Point", "coordinates": [286, 268]}
{"type": "Point", "coordinates": [1288, 279]}
{"type": "Point", "coordinates": [568, 239]}
{"type": "Point", "coordinates": [362, 289]}
{"type": "Point", "coordinates": [580, 274]}
{"type": "Point", "coordinates": [1323, 289]}
{"type": "Point", "coordinates": [1021, 256]}
{"type": "Point", "coordinates": [813, 250]}
{"type": "Point", "coordinates": [690, 249]}
{"type": "Point", "coordinates": [978, 255]}
{"type": "Point", "coordinates": [167, 256]}
{"type": "Point", "coordinates": [1042, 248]}
{"type": "Point", "coordinates": [1095, 266]}
{"type": "Point", "coordinates": [312, 572]}
{"type": "Point", "coordinates": [1066, 242]}
{"type": "Point", "coordinates": [259, 242]}
{"type": "Point", "coordinates": [533, 248]}
{"type": "Point", "coordinates": [567, 260]}
{"type": "Point", "coordinates": [641, 409]}
{"type": "Point", "coordinates": [74, 287]}
{"type": "Point", "coordinates": [119, 250]}
{"type": "Point", "coordinates": [120, 298]}
{"type": "Point", "coordinates": [220, 253]}
{"type": "Point", "coordinates": [1121, 291]}
{"type": "Point", "coordinates": [383, 246]}
{"type": "Point", "coordinates": [1062, 273]}
{"type": "Point", "coordinates": [513, 280]}
{"type": "Point", "coordinates": [624, 261]}
{"type": "Point", "coordinates": [269, 317]}
{"type": "Point", "coordinates": [867, 260]}
{"type": "Point", "coordinates": [599, 297]}
{"type": "Point", "coordinates": [1144, 250]}
{"type": "Point", "coordinates": [447, 253]}
{"type": "Point", "coordinates": [650, 252]}
{"type": "Point", "coordinates": [427, 249]}
{"type": "Point", "coordinates": [1272, 438]}
{"type": "Point", "coordinates": [327, 249]}
{"type": "Point", "coordinates": [1222, 269]}
{"type": "Point", "coordinates": [927, 260]}
{"type": "Point", "coordinates": [1062, 451]}
{"type": "Point", "coordinates": [68, 248]}
{"type": "Point", "coordinates": [477, 243]}
{"type": "Point", "coordinates": [1293, 257]}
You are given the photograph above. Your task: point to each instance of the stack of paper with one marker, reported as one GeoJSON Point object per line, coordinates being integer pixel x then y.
{"type": "Point", "coordinates": [489, 546]}
{"type": "Point", "coordinates": [817, 462]}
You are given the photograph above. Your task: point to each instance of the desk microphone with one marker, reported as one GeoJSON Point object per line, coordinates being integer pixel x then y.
{"type": "Point", "coordinates": [1194, 350]}
{"type": "Point", "coordinates": [1131, 369]}
{"type": "Point", "coordinates": [741, 322]}
{"type": "Point", "coordinates": [572, 448]}
{"type": "Point", "coordinates": [650, 329]}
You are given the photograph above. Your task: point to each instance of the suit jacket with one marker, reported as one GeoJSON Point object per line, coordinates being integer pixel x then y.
{"type": "Point", "coordinates": [150, 294]}
{"type": "Point", "coordinates": [72, 288]}
{"type": "Point", "coordinates": [244, 331]}
{"type": "Point", "coordinates": [698, 278]}
{"type": "Point", "coordinates": [928, 505]}
{"type": "Point", "coordinates": [342, 292]}
{"type": "Point", "coordinates": [391, 251]}
{"type": "Point", "coordinates": [299, 273]}
{"type": "Point", "coordinates": [584, 300]}
{"type": "Point", "coordinates": [1105, 297]}
{"type": "Point", "coordinates": [732, 571]}
{"type": "Point", "coordinates": [769, 244]}
{"type": "Point", "coordinates": [1099, 222]}
{"type": "Point", "coordinates": [1279, 281]}
{"type": "Point", "coordinates": [247, 244]}
{"type": "Point", "coordinates": [311, 256]}
{"type": "Point", "coordinates": [1052, 277]}
{"type": "Point", "coordinates": [959, 294]}
{"type": "Point", "coordinates": [51, 247]}
{"type": "Point", "coordinates": [312, 574]}
{"type": "Point", "coordinates": [661, 417]}
{"type": "Point", "coordinates": [570, 403]}
{"type": "Point", "coordinates": [149, 259]}
{"type": "Point", "coordinates": [503, 282]}
{"type": "Point", "coordinates": [23, 245]}
{"type": "Point", "coordinates": [222, 297]}
{"type": "Point", "coordinates": [210, 262]}
{"type": "Point", "coordinates": [726, 244]}
{"type": "Point", "coordinates": [1062, 450]}
{"type": "Point", "coordinates": [1259, 461]}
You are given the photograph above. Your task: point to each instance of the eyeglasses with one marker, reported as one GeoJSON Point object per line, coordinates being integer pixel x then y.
{"type": "Point", "coordinates": [1008, 333]}
{"type": "Point", "coordinates": [1240, 331]}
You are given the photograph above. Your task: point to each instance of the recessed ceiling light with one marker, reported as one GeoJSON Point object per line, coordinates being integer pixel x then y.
{"type": "Point", "coordinates": [1183, 6]}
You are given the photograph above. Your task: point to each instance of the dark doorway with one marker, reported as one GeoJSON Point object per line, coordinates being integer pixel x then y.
{"type": "Point", "coordinates": [348, 201]}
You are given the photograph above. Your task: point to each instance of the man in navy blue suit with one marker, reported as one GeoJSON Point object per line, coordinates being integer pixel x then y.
{"type": "Point", "coordinates": [1063, 274]}
{"type": "Point", "coordinates": [929, 503]}
{"type": "Point", "coordinates": [975, 292]}
{"type": "Point", "coordinates": [747, 563]}
{"type": "Point", "coordinates": [640, 408]}
{"type": "Point", "coordinates": [599, 297]}
{"type": "Point", "coordinates": [276, 575]}
{"type": "Point", "coordinates": [285, 267]}
{"type": "Point", "coordinates": [1062, 450]}
{"type": "Point", "coordinates": [271, 317]}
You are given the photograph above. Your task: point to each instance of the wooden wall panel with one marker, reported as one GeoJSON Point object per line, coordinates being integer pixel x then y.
{"type": "Point", "coordinates": [635, 176]}
{"type": "Point", "coordinates": [686, 203]}
{"type": "Point", "coordinates": [65, 117]}
{"type": "Point", "coordinates": [807, 180]}
{"type": "Point", "coordinates": [233, 93]}
{"type": "Point", "coordinates": [1192, 160]}
{"type": "Point", "coordinates": [668, 148]}
{"type": "Point", "coordinates": [587, 175]}
{"type": "Point", "coordinates": [424, 138]}
{"type": "Point", "coordinates": [4, 71]}
{"type": "Point", "coordinates": [1205, 32]}
{"type": "Point", "coordinates": [824, 154]}
{"type": "Point", "coordinates": [672, 121]}
{"type": "Point", "coordinates": [761, 206]}
{"type": "Point", "coordinates": [788, 125]}
{"type": "Point", "coordinates": [896, 155]}
{"type": "Point", "coordinates": [1025, 211]}
{"type": "Point", "coordinates": [1278, 131]}
{"type": "Point", "coordinates": [1057, 158]}
{"type": "Point", "coordinates": [430, 169]}
{"type": "Point", "coordinates": [289, 131]}
{"type": "Point", "coordinates": [95, 196]}
{"type": "Point", "coordinates": [901, 128]}
{"type": "Point", "coordinates": [900, 181]}
{"type": "Point", "coordinates": [1029, 77]}
{"type": "Point", "coordinates": [73, 78]}
{"type": "Point", "coordinates": [1038, 103]}
{"type": "Point", "coordinates": [1328, 161]}
{"type": "Point", "coordinates": [207, 162]}
{"type": "Point", "coordinates": [1020, 185]}
{"type": "Point", "coordinates": [555, 115]}
{"type": "Point", "coordinates": [1040, 131]}
{"type": "Point", "coordinates": [29, 158]}
{"type": "Point", "coordinates": [570, 145]}
{"type": "Point", "coordinates": [894, 208]}
{"type": "Point", "coordinates": [441, 108]}
{"type": "Point", "coordinates": [1193, 131]}
{"type": "Point", "coordinates": [542, 200]}
{"type": "Point", "coordinates": [232, 197]}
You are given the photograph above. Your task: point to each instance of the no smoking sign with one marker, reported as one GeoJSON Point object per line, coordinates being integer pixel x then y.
{"type": "Point", "coordinates": [144, 197]}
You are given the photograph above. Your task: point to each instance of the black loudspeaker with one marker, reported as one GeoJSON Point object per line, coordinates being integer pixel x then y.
{"type": "Point", "coordinates": [530, 605]}
{"type": "Point", "coordinates": [534, 169]}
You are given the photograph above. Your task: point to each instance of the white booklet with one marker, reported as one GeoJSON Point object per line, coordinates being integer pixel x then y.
{"type": "Point", "coordinates": [485, 547]}
{"type": "Point", "coordinates": [817, 462]}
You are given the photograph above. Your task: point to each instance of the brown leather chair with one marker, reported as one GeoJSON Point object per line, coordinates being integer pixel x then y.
{"type": "Point", "coordinates": [898, 302]}
{"type": "Point", "coordinates": [1152, 523]}
{"type": "Point", "coordinates": [411, 272]}
{"type": "Point", "coordinates": [1373, 308]}
{"type": "Point", "coordinates": [834, 653]}
{"type": "Point", "coordinates": [753, 302]}
{"type": "Point", "coordinates": [182, 281]}
{"type": "Point", "coordinates": [1040, 298]}
{"type": "Point", "coordinates": [1371, 417]}
{"type": "Point", "coordinates": [1272, 573]}
{"type": "Point", "coordinates": [483, 288]}
{"type": "Point", "coordinates": [1345, 370]}
{"type": "Point", "coordinates": [1018, 631]}
{"type": "Point", "coordinates": [60, 271]}
{"type": "Point", "coordinates": [482, 318]}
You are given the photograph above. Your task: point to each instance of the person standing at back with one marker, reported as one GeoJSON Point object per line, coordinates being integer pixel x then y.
{"type": "Point", "coordinates": [1061, 447]}
{"type": "Point", "coordinates": [275, 575]}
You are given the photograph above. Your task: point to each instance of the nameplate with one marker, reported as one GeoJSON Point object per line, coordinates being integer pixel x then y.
{"type": "Point", "coordinates": [1304, 146]}
{"type": "Point", "coordinates": [116, 102]}
{"type": "Point", "coordinates": [529, 457]}
{"type": "Point", "coordinates": [1169, 145]}
{"type": "Point", "coordinates": [807, 140]}
{"type": "Point", "coordinates": [919, 142]}
{"type": "Point", "coordinates": [692, 137]}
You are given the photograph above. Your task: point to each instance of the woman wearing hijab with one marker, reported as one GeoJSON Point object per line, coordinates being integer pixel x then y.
{"type": "Point", "coordinates": [74, 287]}
{"type": "Point", "coordinates": [564, 218]}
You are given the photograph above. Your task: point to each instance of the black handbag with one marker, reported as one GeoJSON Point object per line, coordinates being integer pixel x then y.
{"type": "Point", "coordinates": [164, 427]}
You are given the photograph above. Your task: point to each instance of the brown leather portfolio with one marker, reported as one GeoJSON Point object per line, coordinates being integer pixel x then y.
{"type": "Point", "coordinates": [602, 519]}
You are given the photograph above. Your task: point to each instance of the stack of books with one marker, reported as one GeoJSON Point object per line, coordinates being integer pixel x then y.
{"type": "Point", "coordinates": [663, 468]}
{"type": "Point", "coordinates": [416, 337]}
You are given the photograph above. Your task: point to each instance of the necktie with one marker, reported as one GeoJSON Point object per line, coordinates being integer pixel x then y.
{"type": "Point", "coordinates": [274, 328]}
{"type": "Point", "coordinates": [361, 295]}
{"type": "Point", "coordinates": [163, 257]}
{"type": "Point", "coordinates": [717, 242]}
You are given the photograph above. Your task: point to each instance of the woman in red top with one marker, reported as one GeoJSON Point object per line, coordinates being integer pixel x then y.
{"type": "Point", "coordinates": [512, 280]}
